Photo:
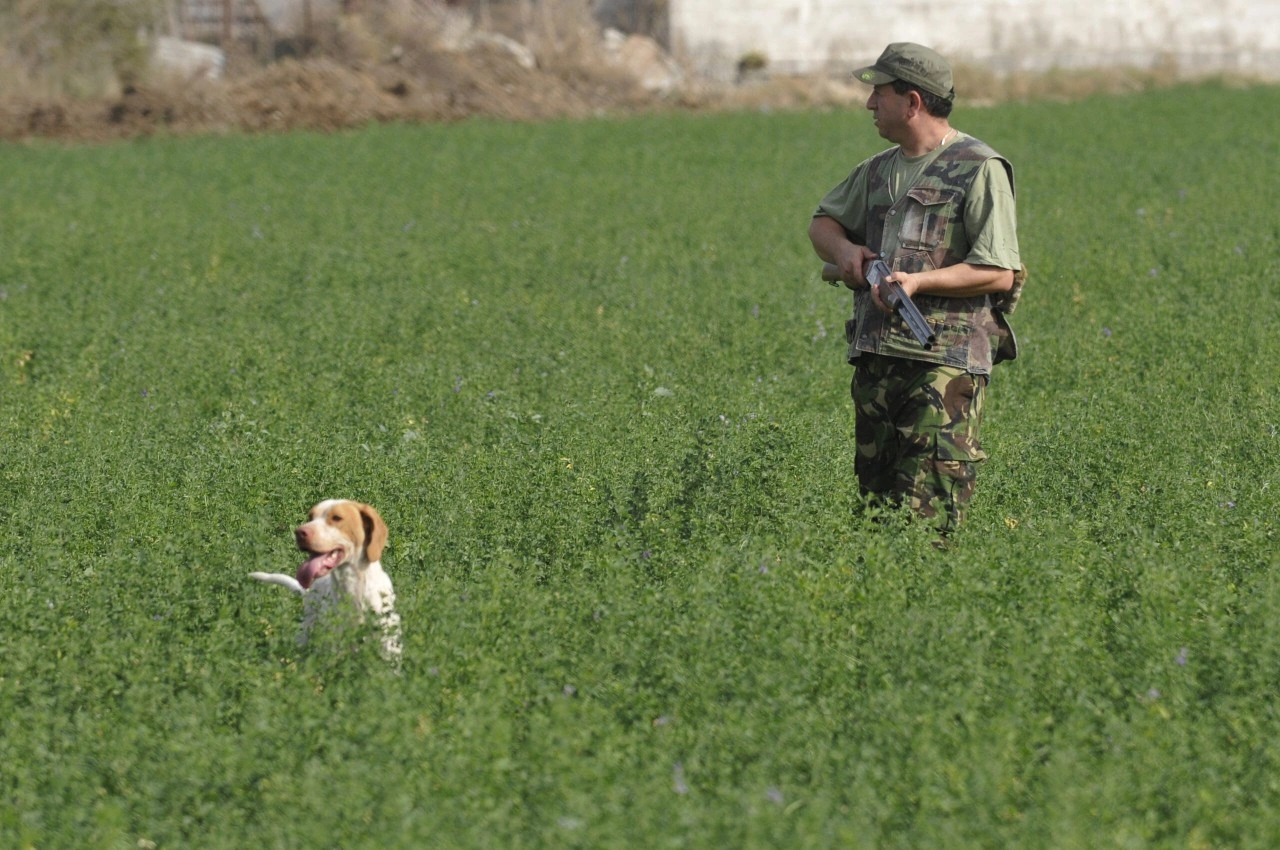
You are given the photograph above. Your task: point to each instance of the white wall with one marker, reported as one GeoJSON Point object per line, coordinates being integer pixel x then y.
{"type": "Point", "coordinates": [800, 36]}
{"type": "Point", "coordinates": [286, 16]}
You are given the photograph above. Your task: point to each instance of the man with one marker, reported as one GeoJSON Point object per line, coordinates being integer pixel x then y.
{"type": "Point", "coordinates": [938, 208]}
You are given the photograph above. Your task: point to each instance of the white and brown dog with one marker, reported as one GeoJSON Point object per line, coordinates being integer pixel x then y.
{"type": "Point", "coordinates": [344, 541]}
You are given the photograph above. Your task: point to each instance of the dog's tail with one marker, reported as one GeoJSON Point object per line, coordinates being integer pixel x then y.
{"type": "Point", "coordinates": [280, 579]}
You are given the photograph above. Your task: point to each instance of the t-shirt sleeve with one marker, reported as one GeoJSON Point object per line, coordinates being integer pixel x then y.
{"type": "Point", "coordinates": [847, 204]}
{"type": "Point", "coordinates": [991, 219]}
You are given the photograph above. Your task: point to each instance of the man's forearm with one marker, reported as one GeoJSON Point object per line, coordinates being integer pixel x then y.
{"type": "Point", "coordinates": [828, 238]}
{"type": "Point", "coordinates": [960, 281]}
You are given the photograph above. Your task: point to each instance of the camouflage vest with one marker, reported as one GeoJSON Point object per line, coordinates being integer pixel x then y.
{"type": "Point", "coordinates": [972, 333]}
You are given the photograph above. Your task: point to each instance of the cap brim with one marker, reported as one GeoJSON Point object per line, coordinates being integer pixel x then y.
{"type": "Point", "coordinates": [872, 76]}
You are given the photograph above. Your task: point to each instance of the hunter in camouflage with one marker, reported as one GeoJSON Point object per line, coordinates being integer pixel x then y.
{"type": "Point", "coordinates": [938, 208]}
{"type": "Point", "coordinates": [924, 229]}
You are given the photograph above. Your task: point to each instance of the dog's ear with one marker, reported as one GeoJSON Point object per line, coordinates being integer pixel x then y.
{"type": "Point", "coordinates": [375, 532]}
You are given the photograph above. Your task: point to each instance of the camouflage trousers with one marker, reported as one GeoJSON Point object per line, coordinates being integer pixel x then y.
{"type": "Point", "coordinates": [917, 427]}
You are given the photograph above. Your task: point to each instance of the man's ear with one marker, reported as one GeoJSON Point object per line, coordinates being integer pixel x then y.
{"type": "Point", "coordinates": [915, 102]}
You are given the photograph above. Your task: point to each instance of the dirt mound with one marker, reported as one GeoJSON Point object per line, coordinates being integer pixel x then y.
{"type": "Point", "coordinates": [323, 94]}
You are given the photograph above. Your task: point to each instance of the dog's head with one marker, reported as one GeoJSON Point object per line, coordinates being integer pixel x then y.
{"type": "Point", "coordinates": [339, 532]}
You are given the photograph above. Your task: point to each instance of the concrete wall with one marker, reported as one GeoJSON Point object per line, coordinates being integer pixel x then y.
{"type": "Point", "coordinates": [286, 16]}
{"type": "Point", "coordinates": [803, 36]}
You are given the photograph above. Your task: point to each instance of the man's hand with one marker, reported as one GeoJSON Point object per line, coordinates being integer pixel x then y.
{"type": "Point", "coordinates": [832, 244]}
{"type": "Point", "coordinates": [851, 263]}
{"type": "Point", "coordinates": [906, 281]}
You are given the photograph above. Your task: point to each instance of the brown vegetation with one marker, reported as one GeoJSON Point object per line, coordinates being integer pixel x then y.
{"type": "Point", "coordinates": [392, 61]}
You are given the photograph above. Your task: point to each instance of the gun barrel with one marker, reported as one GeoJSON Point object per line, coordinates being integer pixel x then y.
{"type": "Point", "coordinates": [910, 314]}
{"type": "Point", "coordinates": [878, 273]}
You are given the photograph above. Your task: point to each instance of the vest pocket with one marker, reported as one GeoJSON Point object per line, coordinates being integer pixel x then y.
{"type": "Point", "coordinates": [925, 218]}
{"type": "Point", "coordinates": [952, 340]}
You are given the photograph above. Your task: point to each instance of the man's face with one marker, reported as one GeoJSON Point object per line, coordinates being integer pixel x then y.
{"type": "Point", "coordinates": [890, 110]}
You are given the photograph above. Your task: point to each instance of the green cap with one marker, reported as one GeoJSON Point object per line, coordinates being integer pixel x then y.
{"type": "Point", "coordinates": [911, 63]}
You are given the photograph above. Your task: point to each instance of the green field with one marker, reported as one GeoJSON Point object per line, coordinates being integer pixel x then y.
{"type": "Point", "coordinates": [588, 374]}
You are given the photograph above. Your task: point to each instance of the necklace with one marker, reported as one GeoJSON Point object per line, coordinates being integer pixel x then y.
{"type": "Point", "coordinates": [905, 171]}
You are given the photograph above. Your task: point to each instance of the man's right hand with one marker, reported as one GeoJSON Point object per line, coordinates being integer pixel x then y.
{"type": "Point", "coordinates": [851, 263]}
{"type": "Point", "coordinates": [831, 243]}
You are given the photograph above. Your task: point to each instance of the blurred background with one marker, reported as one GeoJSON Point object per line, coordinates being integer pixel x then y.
{"type": "Point", "coordinates": [260, 64]}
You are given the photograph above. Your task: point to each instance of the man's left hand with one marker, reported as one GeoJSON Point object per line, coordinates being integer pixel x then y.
{"type": "Point", "coordinates": [905, 280]}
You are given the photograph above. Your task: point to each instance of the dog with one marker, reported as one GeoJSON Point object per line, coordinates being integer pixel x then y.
{"type": "Point", "coordinates": [343, 541]}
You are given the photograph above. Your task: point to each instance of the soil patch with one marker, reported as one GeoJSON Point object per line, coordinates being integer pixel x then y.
{"type": "Point", "coordinates": [324, 94]}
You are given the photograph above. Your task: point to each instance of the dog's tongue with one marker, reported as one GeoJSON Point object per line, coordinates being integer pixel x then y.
{"type": "Point", "coordinates": [316, 566]}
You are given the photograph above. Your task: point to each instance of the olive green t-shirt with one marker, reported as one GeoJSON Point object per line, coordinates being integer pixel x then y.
{"type": "Point", "coordinates": [990, 214]}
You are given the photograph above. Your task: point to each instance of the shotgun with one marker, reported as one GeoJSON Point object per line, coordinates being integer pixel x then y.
{"type": "Point", "coordinates": [878, 275]}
